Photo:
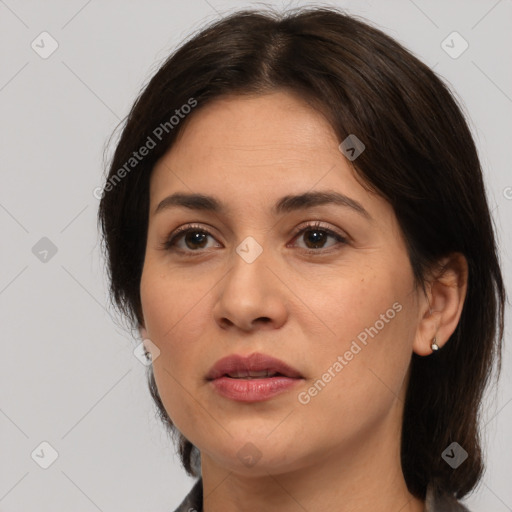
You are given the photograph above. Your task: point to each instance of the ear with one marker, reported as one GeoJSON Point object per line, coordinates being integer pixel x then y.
{"type": "Point", "coordinates": [440, 309]}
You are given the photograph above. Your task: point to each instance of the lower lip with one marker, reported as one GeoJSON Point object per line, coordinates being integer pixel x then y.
{"type": "Point", "coordinates": [253, 390]}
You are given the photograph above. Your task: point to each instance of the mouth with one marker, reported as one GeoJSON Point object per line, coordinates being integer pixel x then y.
{"type": "Point", "coordinates": [255, 378]}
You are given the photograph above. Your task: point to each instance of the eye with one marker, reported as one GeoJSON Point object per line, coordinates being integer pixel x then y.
{"type": "Point", "coordinates": [315, 237]}
{"type": "Point", "coordinates": [195, 238]}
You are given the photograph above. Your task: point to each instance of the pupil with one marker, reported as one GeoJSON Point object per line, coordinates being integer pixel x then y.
{"type": "Point", "coordinates": [196, 238]}
{"type": "Point", "coordinates": [316, 234]}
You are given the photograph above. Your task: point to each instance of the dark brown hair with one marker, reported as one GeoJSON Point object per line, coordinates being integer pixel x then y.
{"type": "Point", "coordinates": [419, 156]}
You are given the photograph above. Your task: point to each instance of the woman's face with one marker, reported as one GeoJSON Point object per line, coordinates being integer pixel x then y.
{"type": "Point", "coordinates": [336, 302]}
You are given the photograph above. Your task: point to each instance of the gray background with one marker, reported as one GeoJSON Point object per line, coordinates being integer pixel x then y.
{"type": "Point", "coordinates": [69, 376]}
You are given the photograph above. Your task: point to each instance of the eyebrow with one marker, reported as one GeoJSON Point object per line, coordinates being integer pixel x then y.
{"type": "Point", "coordinates": [286, 204]}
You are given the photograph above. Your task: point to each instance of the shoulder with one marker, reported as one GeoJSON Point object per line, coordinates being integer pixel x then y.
{"type": "Point", "coordinates": [436, 502]}
{"type": "Point", "coordinates": [193, 501]}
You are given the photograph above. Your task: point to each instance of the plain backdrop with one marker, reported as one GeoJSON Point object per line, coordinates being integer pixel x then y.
{"type": "Point", "coordinates": [69, 378]}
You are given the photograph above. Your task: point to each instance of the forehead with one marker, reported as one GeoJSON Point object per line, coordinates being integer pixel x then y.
{"type": "Point", "coordinates": [281, 117]}
{"type": "Point", "coordinates": [255, 138]}
{"type": "Point", "coordinates": [252, 151]}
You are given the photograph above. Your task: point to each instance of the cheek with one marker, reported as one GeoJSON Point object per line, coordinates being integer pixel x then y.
{"type": "Point", "coordinates": [175, 316]}
{"type": "Point", "coordinates": [369, 345]}
{"type": "Point", "coordinates": [353, 299]}
{"type": "Point", "coordinates": [170, 304]}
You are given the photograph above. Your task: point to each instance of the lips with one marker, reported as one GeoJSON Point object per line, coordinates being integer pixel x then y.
{"type": "Point", "coordinates": [255, 366]}
{"type": "Point", "coordinates": [255, 378]}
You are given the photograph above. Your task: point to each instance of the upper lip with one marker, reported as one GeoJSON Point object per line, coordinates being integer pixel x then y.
{"type": "Point", "coordinates": [253, 363]}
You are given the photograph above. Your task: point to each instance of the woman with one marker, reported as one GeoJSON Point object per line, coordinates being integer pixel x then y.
{"type": "Point", "coordinates": [296, 222]}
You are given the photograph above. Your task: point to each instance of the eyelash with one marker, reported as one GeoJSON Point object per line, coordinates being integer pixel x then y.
{"type": "Point", "coordinates": [169, 244]}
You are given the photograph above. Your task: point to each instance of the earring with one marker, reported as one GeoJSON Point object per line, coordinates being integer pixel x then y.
{"type": "Point", "coordinates": [434, 346]}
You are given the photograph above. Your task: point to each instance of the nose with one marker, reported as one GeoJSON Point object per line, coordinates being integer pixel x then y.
{"type": "Point", "coordinates": [251, 296]}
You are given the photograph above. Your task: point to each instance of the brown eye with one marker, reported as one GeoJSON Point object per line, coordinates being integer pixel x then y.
{"type": "Point", "coordinates": [315, 237]}
{"type": "Point", "coordinates": [195, 239]}
{"type": "Point", "coordinates": [188, 239]}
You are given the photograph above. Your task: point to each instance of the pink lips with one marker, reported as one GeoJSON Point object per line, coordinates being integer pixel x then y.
{"type": "Point", "coordinates": [255, 378]}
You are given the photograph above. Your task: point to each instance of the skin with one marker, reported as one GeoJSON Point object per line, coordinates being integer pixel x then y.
{"type": "Point", "coordinates": [341, 450]}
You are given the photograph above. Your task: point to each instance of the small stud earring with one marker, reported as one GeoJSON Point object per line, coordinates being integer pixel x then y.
{"type": "Point", "coordinates": [434, 346]}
